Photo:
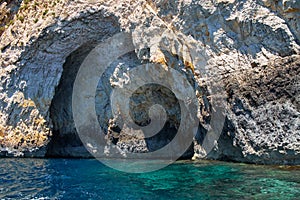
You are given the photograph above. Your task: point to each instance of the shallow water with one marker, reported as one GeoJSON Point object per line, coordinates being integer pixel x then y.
{"type": "Point", "coordinates": [89, 179]}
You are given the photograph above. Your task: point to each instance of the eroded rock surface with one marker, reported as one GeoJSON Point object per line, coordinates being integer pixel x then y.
{"type": "Point", "coordinates": [249, 49]}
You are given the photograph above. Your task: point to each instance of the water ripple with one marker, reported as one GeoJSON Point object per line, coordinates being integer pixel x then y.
{"type": "Point", "coordinates": [88, 179]}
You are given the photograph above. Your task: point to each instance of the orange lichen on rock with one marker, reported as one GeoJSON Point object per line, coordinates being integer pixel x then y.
{"type": "Point", "coordinates": [27, 103]}
{"type": "Point", "coordinates": [26, 136]}
{"type": "Point", "coordinates": [189, 65]}
{"type": "Point", "coordinates": [159, 57]}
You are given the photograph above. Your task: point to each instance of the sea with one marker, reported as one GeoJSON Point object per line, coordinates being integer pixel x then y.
{"type": "Point", "coordinates": [26, 178]}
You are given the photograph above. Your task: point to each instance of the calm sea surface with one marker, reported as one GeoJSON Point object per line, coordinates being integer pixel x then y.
{"type": "Point", "coordinates": [89, 179]}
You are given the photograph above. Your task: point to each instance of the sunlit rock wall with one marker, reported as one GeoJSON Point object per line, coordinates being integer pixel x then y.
{"type": "Point", "coordinates": [250, 48]}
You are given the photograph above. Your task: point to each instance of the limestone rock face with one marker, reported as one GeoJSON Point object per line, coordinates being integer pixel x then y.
{"type": "Point", "coordinates": [249, 50]}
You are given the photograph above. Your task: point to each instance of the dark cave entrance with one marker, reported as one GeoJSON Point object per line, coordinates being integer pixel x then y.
{"type": "Point", "coordinates": [65, 141]}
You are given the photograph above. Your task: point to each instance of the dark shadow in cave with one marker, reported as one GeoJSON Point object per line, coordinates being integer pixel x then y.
{"type": "Point", "coordinates": [65, 141]}
{"type": "Point", "coordinates": [158, 94]}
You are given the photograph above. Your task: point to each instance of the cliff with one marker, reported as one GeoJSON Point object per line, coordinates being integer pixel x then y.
{"type": "Point", "coordinates": [242, 53]}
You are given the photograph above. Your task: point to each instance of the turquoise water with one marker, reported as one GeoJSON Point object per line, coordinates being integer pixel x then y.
{"type": "Point", "coordinates": [89, 179]}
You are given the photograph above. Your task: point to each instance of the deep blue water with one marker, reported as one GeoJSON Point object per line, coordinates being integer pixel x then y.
{"type": "Point", "coordinates": [89, 179]}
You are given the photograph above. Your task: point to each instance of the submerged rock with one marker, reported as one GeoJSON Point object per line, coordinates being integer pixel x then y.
{"type": "Point", "coordinates": [247, 49]}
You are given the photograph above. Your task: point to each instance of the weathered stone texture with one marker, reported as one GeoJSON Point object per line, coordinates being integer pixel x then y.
{"type": "Point", "coordinates": [248, 48]}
